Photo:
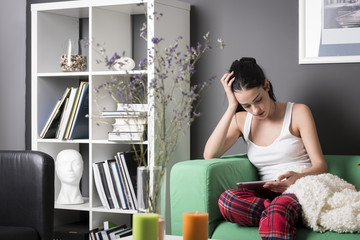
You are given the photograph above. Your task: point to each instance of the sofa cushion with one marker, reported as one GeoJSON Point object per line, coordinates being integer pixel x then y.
{"type": "Point", "coordinates": [308, 234]}
{"type": "Point", "coordinates": [18, 233]}
{"type": "Point", "coordinates": [233, 231]}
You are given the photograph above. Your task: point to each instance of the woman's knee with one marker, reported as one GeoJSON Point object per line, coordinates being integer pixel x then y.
{"type": "Point", "coordinates": [287, 203]}
{"type": "Point", "coordinates": [236, 198]}
{"type": "Point", "coordinates": [280, 217]}
{"type": "Point", "coordinates": [241, 206]}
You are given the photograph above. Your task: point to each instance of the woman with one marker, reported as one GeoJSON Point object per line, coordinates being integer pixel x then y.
{"type": "Point", "coordinates": [278, 136]}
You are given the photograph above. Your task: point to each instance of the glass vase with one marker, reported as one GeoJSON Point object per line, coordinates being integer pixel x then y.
{"type": "Point", "coordinates": [151, 193]}
{"type": "Point", "coordinates": [72, 60]}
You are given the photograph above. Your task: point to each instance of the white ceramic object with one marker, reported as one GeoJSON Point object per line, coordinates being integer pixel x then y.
{"type": "Point", "coordinates": [124, 64]}
{"type": "Point", "coordinates": [69, 169]}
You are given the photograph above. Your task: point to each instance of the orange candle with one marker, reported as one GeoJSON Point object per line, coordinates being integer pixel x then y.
{"type": "Point", "coordinates": [195, 226]}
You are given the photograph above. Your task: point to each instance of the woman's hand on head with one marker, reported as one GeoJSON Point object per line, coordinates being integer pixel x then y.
{"type": "Point", "coordinates": [227, 81]}
{"type": "Point", "coordinates": [283, 182]}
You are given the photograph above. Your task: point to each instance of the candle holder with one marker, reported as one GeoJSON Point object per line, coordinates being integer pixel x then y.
{"type": "Point", "coordinates": [151, 193]}
{"type": "Point", "coordinates": [72, 60]}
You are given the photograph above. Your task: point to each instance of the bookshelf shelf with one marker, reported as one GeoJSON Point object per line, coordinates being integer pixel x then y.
{"type": "Point", "coordinates": [81, 207]}
{"type": "Point", "coordinates": [63, 74]}
{"type": "Point", "coordinates": [42, 140]}
{"type": "Point", "coordinates": [85, 74]}
{"type": "Point", "coordinates": [118, 142]}
{"type": "Point", "coordinates": [102, 209]}
{"type": "Point", "coordinates": [115, 23]}
{"type": "Point", "coordinates": [110, 73]}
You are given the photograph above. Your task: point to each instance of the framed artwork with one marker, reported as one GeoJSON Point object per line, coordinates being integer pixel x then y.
{"type": "Point", "coordinates": [329, 31]}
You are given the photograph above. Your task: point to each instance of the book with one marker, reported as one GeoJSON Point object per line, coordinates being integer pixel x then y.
{"type": "Point", "coordinates": [80, 126]}
{"type": "Point", "coordinates": [50, 119]}
{"type": "Point", "coordinates": [105, 185]}
{"type": "Point", "coordinates": [111, 183]}
{"type": "Point", "coordinates": [50, 128]}
{"type": "Point", "coordinates": [130, 169]}
{"type": "Point", "coordinates": [108, 225]}
{"type": "Point", "coordinates": [106, 232]}
{"type": "Point", "coordinates": [92, 233]}
{"type": "Point", "coordinates": [126, 136]}
{"type": "Point", "coordinates": [130, 120]}
{"type": "Point", "coordinates": [132, 107]}
{"type": "Point", "coordinates": [99, 235]}
{"type": "Point", "coordinates": [132, 163]}
{"type": "Point", "coordinates": [129, 127]}
{"type": "Point", "coordinates": [119, 184]}
{"type": "Point", "coordinates": [62, 118]}
{"type": "Point", "coordinates": [73, 110]}
{"type": "Point", "coordinates": [99, 186]}
{"type": "Point", "coordinates": [66, 113]}
{"type": "Point", "coordinates": [127, 194]}
{"type": "Point", "coordinates": [120, 233]}
{"type": "Point", "coordinates": [123, 114]}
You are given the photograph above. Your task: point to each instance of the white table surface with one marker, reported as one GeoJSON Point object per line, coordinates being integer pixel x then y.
{"type": "Point", "coordinates": [167, 237]}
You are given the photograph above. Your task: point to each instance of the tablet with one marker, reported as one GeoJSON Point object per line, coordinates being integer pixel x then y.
{"type": "Point", "coordinates": [258, 186]}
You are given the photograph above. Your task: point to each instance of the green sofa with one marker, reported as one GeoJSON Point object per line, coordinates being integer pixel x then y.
{"type": "Point", "coordinates": [197, 184]}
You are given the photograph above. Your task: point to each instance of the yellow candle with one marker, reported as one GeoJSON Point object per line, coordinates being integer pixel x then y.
{"type": "Point", "coordinates": [195, 226]}
{"type": "Point", "coordinates": [145, 226]}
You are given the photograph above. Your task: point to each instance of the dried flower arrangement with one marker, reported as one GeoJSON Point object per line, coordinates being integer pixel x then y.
{"type": "Point", "coordinates": [173, 96]}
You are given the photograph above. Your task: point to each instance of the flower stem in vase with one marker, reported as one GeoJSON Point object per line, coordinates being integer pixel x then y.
{"type": "Point", "coordinates": [150, 194]}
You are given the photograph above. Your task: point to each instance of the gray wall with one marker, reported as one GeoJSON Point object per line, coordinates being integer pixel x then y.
{"type": "Point", "coordinates": [12, 74]}
{"type": "Point", "coordinates": [268, 31]}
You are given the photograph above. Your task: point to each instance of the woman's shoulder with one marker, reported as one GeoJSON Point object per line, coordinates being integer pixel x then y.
{"type": "Point", "coordinates": [301, 113]}
{"type": "Point", "coordinates": [241, 116]}
{"type": "Point", "coordinates": [300, 108]}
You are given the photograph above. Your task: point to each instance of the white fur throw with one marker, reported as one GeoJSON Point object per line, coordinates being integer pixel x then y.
{"type": "Point", "coordinates": [328, 203]}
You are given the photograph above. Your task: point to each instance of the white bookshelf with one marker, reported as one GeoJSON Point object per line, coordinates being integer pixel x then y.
{"type": "Point", "coordinates": [109, 22]}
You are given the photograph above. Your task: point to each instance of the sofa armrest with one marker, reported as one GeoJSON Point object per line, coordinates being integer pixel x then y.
{"type": "Point", "coordinates": [27, 191]}
{"type": "Point", "coordinates": [196, 185]}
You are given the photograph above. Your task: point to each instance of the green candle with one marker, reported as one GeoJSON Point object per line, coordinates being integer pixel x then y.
{"type": "Point", "coordinates": [145, 226]}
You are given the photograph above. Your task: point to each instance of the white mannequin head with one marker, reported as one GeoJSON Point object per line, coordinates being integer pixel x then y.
{"type": "Point", "coordinates": [69, 168]}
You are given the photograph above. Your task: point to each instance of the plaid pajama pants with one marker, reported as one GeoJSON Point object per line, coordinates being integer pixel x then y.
{"type": "Point", "coordinates": [276, 218]}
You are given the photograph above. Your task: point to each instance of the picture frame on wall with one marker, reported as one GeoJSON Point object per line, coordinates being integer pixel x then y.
{"type": "Point", "coordinates": [329, 31]}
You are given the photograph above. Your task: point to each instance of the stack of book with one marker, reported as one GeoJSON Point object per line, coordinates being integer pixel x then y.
{"type": "Point", "coordinates": [69, 117]}
{"type": "Point", "coordinates": [110, 232]}
{"type": "Point", "coordinates": [130, 122]}
{"type": "Point", "coordinates": [115, 181]}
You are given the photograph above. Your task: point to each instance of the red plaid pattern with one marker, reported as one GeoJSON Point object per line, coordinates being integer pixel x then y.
{"type": "Point", "coordinates": [242, 206]}
{"type": "Point", "coordinates": [276, 218]}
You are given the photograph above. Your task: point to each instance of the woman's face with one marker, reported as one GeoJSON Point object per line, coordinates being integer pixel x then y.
{"type": "Point", "coordinates": [255, 101]}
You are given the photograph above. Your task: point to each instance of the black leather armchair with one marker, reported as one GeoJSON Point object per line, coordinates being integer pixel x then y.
{"type": "Point", "coordinates": [26, 195]}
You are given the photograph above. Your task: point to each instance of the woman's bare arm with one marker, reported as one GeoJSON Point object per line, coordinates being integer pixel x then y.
{"type": "Point", "coordinates": [226, 132]}
{"type": "Point", "coordinates": [223, 137]}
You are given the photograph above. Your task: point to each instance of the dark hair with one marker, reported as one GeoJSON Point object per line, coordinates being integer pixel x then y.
{"type": "Point", "coordinates": [248, 74]}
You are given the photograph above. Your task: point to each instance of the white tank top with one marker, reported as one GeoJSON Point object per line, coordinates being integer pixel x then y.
{"type": "Point", "coordinates": [286, 151]}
